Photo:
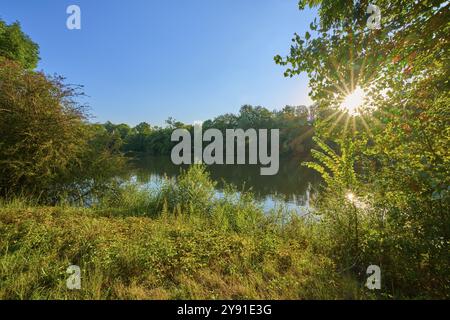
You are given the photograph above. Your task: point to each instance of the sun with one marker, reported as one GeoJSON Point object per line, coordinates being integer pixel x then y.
{"type": "Point", "coordinates": [353, 102]}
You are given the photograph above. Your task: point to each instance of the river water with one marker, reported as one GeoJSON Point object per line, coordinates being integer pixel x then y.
{"type": "Point", "coordinates": [292, 188]}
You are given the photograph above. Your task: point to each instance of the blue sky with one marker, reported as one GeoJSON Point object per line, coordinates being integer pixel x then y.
{"type": "Point", "coordinates": [146, 60]}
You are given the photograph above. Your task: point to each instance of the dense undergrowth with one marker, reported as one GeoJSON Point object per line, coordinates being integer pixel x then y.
{"type": "Point", "coordinates": [134, 244]}
{"type": "Point", "coordinates": [182, 242]}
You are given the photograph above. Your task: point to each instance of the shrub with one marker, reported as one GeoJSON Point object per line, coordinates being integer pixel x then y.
{"type": "Point", "coordinates": [47, 149]}
{"type": "Point", "coordinates": [192, 193]}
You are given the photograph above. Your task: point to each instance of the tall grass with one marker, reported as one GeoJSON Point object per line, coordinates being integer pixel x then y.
{"type": "Point", "coordinates": [178, 242]}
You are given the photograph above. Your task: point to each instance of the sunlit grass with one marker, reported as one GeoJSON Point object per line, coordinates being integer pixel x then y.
{"type": "Point", "coordinates": [173, 256]}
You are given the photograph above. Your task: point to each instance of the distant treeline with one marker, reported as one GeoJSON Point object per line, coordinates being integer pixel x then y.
{"type": "Point", "coordinates": [295, 124]}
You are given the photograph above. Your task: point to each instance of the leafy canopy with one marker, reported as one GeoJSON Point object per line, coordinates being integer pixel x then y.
{"type": "Point", "coordinates": [16, 45]}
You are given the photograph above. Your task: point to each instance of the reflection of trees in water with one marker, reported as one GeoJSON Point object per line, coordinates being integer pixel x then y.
{"type": "Point", "coordinates": [290, 183]}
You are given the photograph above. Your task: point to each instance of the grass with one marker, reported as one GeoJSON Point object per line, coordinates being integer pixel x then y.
{"type": "Point", "coordinates": [178, 242]}
{"type": "Point", "coordinates": [168, 257]}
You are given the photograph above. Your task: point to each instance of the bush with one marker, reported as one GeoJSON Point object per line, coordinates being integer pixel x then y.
{"type": "Point", "coordinates": [403, 231]}
{"type": "Point", "coordinates": [46, 149]}
{"type": "Point", "coordinates": [192, 193]}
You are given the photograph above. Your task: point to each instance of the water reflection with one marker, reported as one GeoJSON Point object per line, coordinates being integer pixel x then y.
{"type": "Point", "coordinates": [291, 188]}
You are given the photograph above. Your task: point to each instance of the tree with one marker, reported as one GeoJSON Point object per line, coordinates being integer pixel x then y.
{"type": "Point", "coordinates": [296, 130]}
{"type": "Point", "coordinates": [143, 128]}
{"type": "Point", "coordinates": [255, 117]}
{"type": "Point", "coordinates": [401, 134]}
{"type": "Point", "coordinates": [17, 46]}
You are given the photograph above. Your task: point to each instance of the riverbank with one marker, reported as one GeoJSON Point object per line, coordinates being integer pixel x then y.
{"type": "Point", "coordinates": [165, 257]}
{"type": "Point", "coordinates": [292, 188]}
{"type": "Point", "coordinates": [180, 241]}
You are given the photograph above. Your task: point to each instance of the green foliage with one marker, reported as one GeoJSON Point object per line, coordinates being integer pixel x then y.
{"type": "Point", "coordinates": [128, 199]}
{"type": "Point", "coordinates": [170, 257]}
{"type": "Point", "coordinates": [295, 124]}
{"type": "Point", "coordinates": [399, 143]}
{"type": "Point", "coordinates": [194, 190]}
{"type": "Point", "coordinates": [336, 170]}
{"type": "Point", "coordinates": [192, 194]}
{"type": "Point", "coordinates": [387, 173]}
{"type": "Point", "coordinates": [40, 126]}
{"type": "Point", "coordinates": [17, 46]}
{"type": "Point", "coordinates": [46, 149]}
{"type": "Point", "coordinates": [343, 210]}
